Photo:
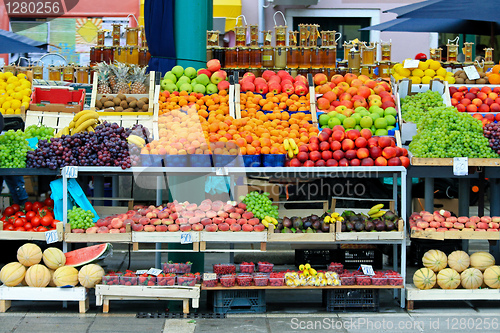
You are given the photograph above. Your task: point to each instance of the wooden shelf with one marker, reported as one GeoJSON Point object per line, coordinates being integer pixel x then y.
{"type": "Point", "coordinates": [464, 234]}
{"type": "Point", "coordinates": [485, 162]}
{"type": "Point", "coordinates": [220, 287]}
{"type": "Point", "coordinates": [399, 234]}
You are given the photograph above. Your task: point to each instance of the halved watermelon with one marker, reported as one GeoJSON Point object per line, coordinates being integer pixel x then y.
{"type": "Point", "coordinates": [88, 254]}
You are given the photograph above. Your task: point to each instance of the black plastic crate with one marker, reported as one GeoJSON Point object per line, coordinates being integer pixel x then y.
{"type": "Point", "coordinates": [239, 301]}
{"type": "Point", "coordinates": [353, 258]}
{"type": "Point", "coordinates": [316, 258]}
{"type": "Point", "coordinates": [345, 300]}
{"type": "Point", "coordinates": [418, 248]}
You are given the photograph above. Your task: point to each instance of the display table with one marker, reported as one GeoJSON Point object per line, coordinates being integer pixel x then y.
{"type": "Point", "coordinates": [105, 293]}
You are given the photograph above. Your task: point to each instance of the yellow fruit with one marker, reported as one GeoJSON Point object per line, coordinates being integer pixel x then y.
{"type": "Point", "coordinates": [8, 75]}
{"type": "Point", "coordinates": [449, 73]}
{"type": "Point", "coordinates": [405, 72]}
{"type": "Point", "coordinates": [429, 72]}
{"type": "Point", "coordinates": [435, 260]}
{"type": "Point", "coordinates": [2, 111]}
{"type": "Point", "coordinates": [415, 80]}
{"type": "Point", "coordinates": [25, 104]}
{"type": "Point", "coordinates": [417, 72]}
{"type": "Point", "coordinates": [29, 254]}
{"type": "Point", "coordinates": [6, 105]}
{"type": "Point", "coordinates": [434, 65]}
{"type": "Point", "coordinates": [10, 111]}
{"type": "Point", "coordinates": [12, 274]}
{"type": "Point", "coordinates": [10, 86]}
{"type": "Point", "coordinates": [65, 276]}
{"type": "Point", "coordinates": [439, 77]}
{"type": "Point", "coordinates": [492, 277]}
{"type": "Point", "coordinates": [459, 261]}
{"type": "Point", "coordinates": [2, 76]}
{"type": "Point", "coordinates": [424, 278]}
{"type": "Point", "coordinates": [397, 66]}
{"type": "Point", "coordinates": [397, 77]}
{"type": "Point", "coordinates": [26, 84]}
{"type": "Point", "coordinates": [423, 65]}
{"type": "Point", "coordinates": [450, 79]}
{"type": "Point", "coordinates": [26, 99]}
{"type": "Point", "coordinates": [481, 260]}
{"type": "Point", "coordinates": [17, 111]}
{"type": "Point", "coordinates": [441, 72]}
{"type": "Point", "coordinates": [21, 76]}
{"type": "Point", "coordinates": [18, 96]}
{"type": "Point", "coordinates": [448, 278]}
{"type": "Point", "coordinates": [38, 276]}
{"type": "Point", "coordinates": [90, 275]}
{"type": "Point", "coordinates": [12, 79]}
{"type": "Point", "coordinates": [15, 104]}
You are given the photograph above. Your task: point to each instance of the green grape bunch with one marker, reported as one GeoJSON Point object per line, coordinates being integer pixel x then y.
{"type": "Point", "coordinates": [80, 218]}
{"type": "Point", "coordinates": [13, 149]}
{"type": "Point", "coordinates": [41, 132]}
{"type": "Point", "coordinates": [260, 205]}
{"type": "Point", "coordinates": [443, 132]}
{"type": "Point", "coordinates": [414, 107]}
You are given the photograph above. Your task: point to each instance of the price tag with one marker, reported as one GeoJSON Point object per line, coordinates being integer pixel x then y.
{"type": "Point", "coordinates": [213, 38]}
{"type": "Point", "coordinates": [471, 72]}
{"type": "Point", "coordinates": [367, 270]}
{"type": "Point", "coordinates": [155, 271]}
{"type": "Point", "coordinates": [269, 38]}
{"type": "Point", "coordinates": [186, 238]}
{"type": "Point", "coordinates": [141, 271]}
{"type": "Point", "coordinates": [71, 172]}
{"type": "Point", "coordinates": [209, 276]}
{"type": "Point", "coordinates": [51, 236]}
{"type": "Point", "coordinates": [460, 166]}
{"type": "Point", "coordinates": [411, 63]}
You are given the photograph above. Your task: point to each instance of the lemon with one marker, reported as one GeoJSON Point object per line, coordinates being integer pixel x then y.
{"type": "Point", "coordinates": [26, 99]}
{"type": "Point", "coordinates": [21, 76]}
{"type": "Point", "coordinates": [2, 100]}
{"type": "Point", "coordinates": [439, 77]}
{"type": "Point", "coordinates": [426, 79]}
{"type": "Point", "coordinates": [9, 111]}
{"type": "Point", "coordinates": [417, 72]}
{"type": "Point", "coordinates": [2, 76]}
{"type": "Point", "coordinates": [8, 75]}
{"type": "Point", "coordinates": [450, 79]}
{"type": "Point", "coordinates": [430, 72]}
{"type": "Point", "coordinates": [18, 96]}
{"type": "Point", "coordinates": [441, 72]}
{"type": "Point", "coordinates": [12, 79]}
{"type": "Point", "coordinates": [397, 77]}
{"type": "Point", "coordinates": [2, 111]}
{"type": "Point", "coordinates": [15, 104]}
{"type": "Point", "coordinates": [405, 72]}
{"type": "Point", "coordinates": [18, 89]}
{"type": "Point", "coordinates": [26, 105]}
{"type": "Point", "coordinates": [10, 86]}
{"type": "Point", "coordinates": [25, 84]}
{"type": "Point", "coordinates": [26, 92]}
{"type": "Point", "coordinates": [449, 73]}
{"type": "Point", "coordinates": [415, 80]}
{"type": "Point", "coordinates": [434, 65]}
{"type": "Point", "coordinates": [423, 65]}
{"type": "Point", "coordinates": [9, 98]}
{"type": "Point", "coordinates": [17, 111]}
{"type": "Point", "coordinates": [6, 105]}
{"type": "Point", "coordinates": [397, 66]}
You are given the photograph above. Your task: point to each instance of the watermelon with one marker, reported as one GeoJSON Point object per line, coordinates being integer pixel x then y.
{"type": "Point", "coordinates": [88, 254]}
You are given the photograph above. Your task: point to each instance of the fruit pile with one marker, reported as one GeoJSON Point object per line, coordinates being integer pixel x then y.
{"type": "Point", "coordinates": [426, 72]}
{"type": "Point", "coordinates": [13, 149]}
{"type": "Point", "coordinates": [475, 99]}
{"type": "Point", "coordinates": [493, 76]}
{"type": "Point", "coordinates": [205, 81]}
{"type": "Point", "coordinates": [469, 272]}
{"type": "Point", "coordinates": [445, 132]}
{"type": "Point", "coordinates": [41, 132]}
{"type": "Point", "coordinates": [54, 272]}
{"type": "Point", "coordinates": [414, 107]}
{"type": "Point", "coordinates": [136, 278]}
{"type": "Point", "coordinates": [492, 133]}
{"type": "Point", "coordinates": [379, 221]}
{"type": "Point", "coordinates": [352, 148]}
{"type": "Point", "coordinates": [217, 102]}
{"type": "Point", "coordinates": [282, 105]}
{"type": "Point", "coordinates": [310, 277]}
{"type": "Point", "coordinates": [260, 205]}
{"type": "Point", "coordinates": [15, 91]}
{"type": "Point", "coordinates": [309, 224]}
{"type": "Point", "coordinates": [80, 219]}
{"type": "Point", "coordinates": [138, 137]}
{"type": "Point", "coordinates": [83, 121]}
{"type": "Point", "coordinates": [122, 103]}
{"type": "Point", "coordinates": [442, 220]}
{"type": "Point", "coordinates": [461, 78]}
{"type": "Point", "coordinates": [380, 278]}
{"type": "Point", "coordinates": [35, 217]}
{"type": "Point", "coordinates": [272, 82]}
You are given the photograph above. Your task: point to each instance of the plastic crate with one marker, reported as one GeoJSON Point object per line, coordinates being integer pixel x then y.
{"type": "Point", "coordinates": [316, 258]}
{"type": "Point", "coordinates": [353, 258]}
{"type": "Point", "coordinates": [345, 300]}
{"type": "Point", "coordinates": [239, 301]}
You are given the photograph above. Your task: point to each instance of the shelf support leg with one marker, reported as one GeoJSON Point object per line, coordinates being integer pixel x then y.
{"type": "Point", "coordinates": [115, 189]}
{"type": "Point", "coordinates": [65, 206]}
{"type": "Point", "coordinates": [4, 305]}
{"type": "Point", "coordinates": [98, 190]}
{"type": "Point", "coordinates": [495, 211]}
{"type": "Point", "coordinates": [159, 187]}
{"type": "Point", "coordinates": [463, 204]}
{"type": "Point", "coordinates": [429, 194]}
{"type": "Point", "coordinates": [404, 193]}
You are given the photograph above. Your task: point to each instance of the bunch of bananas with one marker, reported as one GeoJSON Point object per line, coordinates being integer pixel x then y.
{"type": "Point", "coordinates": [85, 120]}
{"type": "Point", "coordinates": [268, 220]}
{"type": "Point", "coordinates": [376, 212]}
{"type": "Point", "coordinates": [333, 217]}
{"type": "Point", "coordinates": [291, 147]}
{"type": "Point", "coordinates": [136, 140]}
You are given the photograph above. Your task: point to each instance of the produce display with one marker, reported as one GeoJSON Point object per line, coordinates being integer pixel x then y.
{"type": "Point", "coordinates": [41, 132]}
{"type": "Point", "coordinates": [122, 103]}
{"type": "Point", "coordinates": [118, 78]}
{"type": "Point", "coordinates": [32, 217]}
{"type": "Point", "coordinates": [275, 82]}
{"type": "Point", "coordinates": [470, 272]}
{"type": "Point", "coordinates": [260, 205]}
{"type": "Point", "coordinates": [80, 218]}
{"type": "Point", "coordinates": [375, 220]}
{"type": "Point", "coordinates": [414, 107]}
{"type": "Point", "coordinates": [461, 77]}
{"type": "Point", "coordinates": [13, 149]}
{"type": "Point", "coordinates": [475, 99]}
{"type": "Point", "coordinates": [309, 224]}
{"type": "Point", "coordinates": [136, 278]}
{"type": "Point", "coordinates": [55, 271]}
{"type": "Point", "coordinates": [426, 72]}
{"type": "Point", "coordinates": [15, 91]}
{"type": "Point", "coordinates": [491, 132]}
{"type": "Point", "coordinates": [442, 220]}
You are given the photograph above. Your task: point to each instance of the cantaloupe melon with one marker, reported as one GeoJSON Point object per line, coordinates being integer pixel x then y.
{"type": "Point", "coordinates": [481, 260]}
{"type": "Point", "coordinates": [471, 278]}
{"type": "Point", "coordinates": [37, 276]}
{"type": "Point", "coordinates": [12, 274]}
{"type": "Point", "coordinates": [424, 278]}
{"type": "Point", "coordinates": [54, 258]}
{"type": "Point", "coordinates": [491, 277]}
{"type": "Point", "coordinates": [459, 261]}
{"type": "Point", "coordinates": [65, 276]}
{"type": "Point", "coordinates": [435, 260]}
{"type": "Point", "coordinates": [90, 275]}
{"type": "Point", "coordinates": [448, 278]}
{"type": "Point", "coordinates": [29, 254]}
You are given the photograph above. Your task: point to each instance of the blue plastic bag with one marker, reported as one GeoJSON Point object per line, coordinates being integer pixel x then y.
{"type": "Point", "coordinates": [75, 192]}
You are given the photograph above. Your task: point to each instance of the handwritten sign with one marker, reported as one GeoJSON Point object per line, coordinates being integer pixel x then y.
{"type": "Point", "coordinates": [141, 271]}
{"type": "Point", "coordinates": [460, 166]}
{"type": "Point", "coordinates": [154, 271]}
{"type": "Point", "coordinates": [51, 236]}
{"type": "Point", "coordinates": [186, 238]}
{"type": "Point", "coordinates": [71, 172]}
{"type": "Point", "coordinates": [209, 276]}
{"type": "Point", "coordinates": [471, 72]}
{"type": "Point", "coordinates": [411, 63]}
{"type": "Point", "coordinates": [367, 270]}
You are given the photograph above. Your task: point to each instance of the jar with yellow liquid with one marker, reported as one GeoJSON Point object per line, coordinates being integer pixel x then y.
{"type": "Point", "coordinates": [82, 74]}
{"type": "Point", "coordinates": [452, 52]}
{"type": "Point", "coordinates": [143, 57]}
{"type": "Point", "coordinates": [133, 55]}
{"type": "Point", "coordinates": [386, 51]}
{"type": "Point", "coordinates": [120, 54]}
{"type": "Point", "coordinates": [54, 73]}
{"type": "Point", "coordinates": [279, 57]}
{"type": "Point", "coordinates": [243, 57]}
{"type": "Point", "coordinates": [329, 57]}
{"type": "Point", "coordinates": [292, 55]}
{"type": "Point", "coordinates": [132, 36]}
{"type": "Point", "coordinates": [69, 74]}
{"type": "Point", "coordinates": [231, 57]}
{"type": "Point", "coordinates": [116, 34]}
{"type": "Point", "coordinates": [38, 72]}
{"type": "Point", "coordinates": [316, 58]}
{"type": "Point", "coordinates": [369, 53]}
{"type": "Point", "coordinates": [268, 57]}
{"type": "Point", "coordinates": [354, 59]}
{"type": "Point", "coordinates": [100, 37]}
{"type": "Point", "coordinates": [255, 57]}
{"type": "Point", "coordinates": [384, 69]}
{"type": "Point", "coordinates": [304, 57]}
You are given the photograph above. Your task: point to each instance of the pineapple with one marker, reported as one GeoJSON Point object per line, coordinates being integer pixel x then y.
{"type": "Point", "coordinates": [112, 77]}
{"type": "Point", "coordinates": [139, 79]}
{"type": "Point", "coordinates": [102, 79]}
{"type": "Point", "coordinates": [122, 79]}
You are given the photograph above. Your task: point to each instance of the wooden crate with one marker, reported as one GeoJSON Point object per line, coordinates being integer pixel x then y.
{"type": "Point", "coordinates": [435, 294]}
{"type": "Point", "coordinates": [57, 99]}
{"type": "Point", "coordinates": [486, 162]}
{"type": "Point", "coordinates": [220, 287]}
{"type": "Point", "coordinates": [70, 237]}
{"type": "Point", "coordinates": [325, 237]}
{"type": "Point", "coordinates": [21, 293]}
{"type": "Point", "coordinates": [452, 234]}
{"type": "Point", "coordinates": [29, 235]}
{"type": "Point", "coordinates": [105, 293]}
{"type": "Point", "coordinates": [282, 211]}
{"type": "Point", "coordinates": [163, 237]}
{"type": "Point", "coordinates": [56, 120]}
{"type": "Point", "coordinates": [366, 236]}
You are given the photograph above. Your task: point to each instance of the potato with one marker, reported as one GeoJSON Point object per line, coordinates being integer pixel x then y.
{"type": "Point", "coordinates": [117, 101]}
{"type": "Point", "coordinates": [109, 104]}
{"type": "Point", "coordinates": [133, 104]}
{"type": "Point", "coordinates": [121, 96]}
{"type": "Point", "coordinates": [124, 104]}
{"type": "Point", "coordinates": [131, 99]}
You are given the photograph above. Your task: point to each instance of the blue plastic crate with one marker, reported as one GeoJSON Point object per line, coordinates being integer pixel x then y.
{"type": "Point", "coordinates": [176, 161]}
{"type": "Point", "coordinates": [227, 160]}
{"type": "Point", "coordinates": [252, 161]}
{"type": "Point", "coordinates": [239, 301]}
{"type": "Point", "coordinates": [346, 300]}
{"type": "Point", "coordinates": [200, 160]}
{"type": "Point", "coordinates": [273, 160]}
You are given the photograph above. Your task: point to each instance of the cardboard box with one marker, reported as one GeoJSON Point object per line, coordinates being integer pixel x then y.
{"type": "Point", "coordinates": [447, 204]}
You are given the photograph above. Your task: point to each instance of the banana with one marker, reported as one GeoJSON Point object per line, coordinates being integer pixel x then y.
{"type": "Point", "coordinates": [293, 144]}
{"type": "Point", "coordinates": [307, 266]}
{"type": "Point", "coordinates": [379, 206]}
{"type": "Point", "coordinates": [92, 115]}
{"type": "Point", "coordinates": [137, 140]}
{"type": "Point", "coordinates": [265, 223]}
{"type": "Point", "coordinates": [290, 153]}
{"type": "Point", "coordinates": [90, 129]}
{"type": "Point", "coordinates": [296, 150]}
{"type": "Point", "coordinates": [83, 126]}
{"type": "Point", "coordinates": [378, 214]}
{"type": "Point", "coordinates": [375, 209]}
{"type": "Point", "coordinates": [312, 271]}
{"type": "Point", "coordinates": [274, 221]}
{"type": "Point", "coordinates": [65, 131]}
{"type": "Point", "coordinates": [286, 144]}
{"type": "Point", "coordinates": [301, 267]}
{"type": "Point", "coordinates": [80, 114]}
{"type": "Point", "coordinates": [71, 124]}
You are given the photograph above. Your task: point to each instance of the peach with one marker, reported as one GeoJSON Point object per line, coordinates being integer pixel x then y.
{"type": "Point", "coordinates": [218, 220]}
{"type": "Point", "coordinates": [482, 225]}
{"type": "Point", "coordinates": [224, 227]}
{"type": "Point", "coordinates": [453, 219]}
{"type": "Point", "coordinates": [149, 228]}
{"type": "Point", "coordinates": [173, 227]}
{"type": "Point", "coordinates": [194, 220]}
{"type": "Point", "coordinates": [492, 230]}
{"type": "Point", "coordinates": [259, 227]}
{"type": "Point", "coordinates": [235, 216]}
{"type": "Point", "coordinates": [423, 225]}
{"type": "Point", "coordinates": [458, 225]}
{"type": "Point", "coordinates": [235, 227]}
{"type": "Point", "coordinates": [475, 219]}
{"type": "Point", "coordinates": [428, 217]}
{"type": "Point", "coordinates": [91, 230]}
{"type": "Point", "coordinates": [114, 231]}
{"type": "Point", "coordinates": [222, 214]}
{"type": "Point", "coordinates": [447, 224]}
{"type": "Point", "coordinates": [445, 213]}
{"type": "Point", "coordinates": [211, 227]}
{"type": "Point", "coordinates": [430, 229]}
{"type": "Point", "coordinates": [197, 227]}
{"type": "Point", "coordinates": [247, 227]}
{"type": "Point", "coordinates": [253, 221]}
{"type": "Point", "coordinates": [161, 228]}
{"type": "Point", "coordinates": [435, 224]}
{"type": "Point", "coordinates": [151, 215]}
{"type": "Point", "coordinates": [239, 210]}
{"type": "Point", "coordinates": [155, 221]}
{"type": "Point", "coordinates": [247, 215]}
{"type": "Point", "coordinates": [199, 213]}
{"type": "Point", "coordinates": [137, 227]}
{"type": "Point", "coordinates": [242, 221]}
{"type": "Point", "coordinates": [210, 214]}
{"type": "Point", "coordinates": [486, 219]}
{"type": "Point", "coordinates": [213, 65]}
{"type": "Point", "coordinates": [182, 220]}
{"type": "Point", "coordinates": [438, 218]}
{"type": "Point", "coordinates": [464, 219]}
{"type": "Point", "coordinates": [185, 227]}
{"type": "Point", "coordinates": [471, 225]}
{"type": "Point", "coordinates": [441, 229]}
{"type": "Point", "coordinates": [230, 221]}
{"type": "Point", "coordinates": [206, 221]}
{"type": "Point", "coordinates": [493, 225]}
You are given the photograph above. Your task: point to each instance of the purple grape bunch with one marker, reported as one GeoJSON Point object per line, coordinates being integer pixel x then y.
{"type": "Point", "coordinates": [492, 132]}
{"type": "Point", "coordinates": [134, 150]}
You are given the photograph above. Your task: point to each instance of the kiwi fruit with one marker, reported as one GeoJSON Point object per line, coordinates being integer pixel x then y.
{"type": "Point", "coordinates": [136, 110]}
{"type": "Point", "coordinates": [109, 104]}
{"type": "Point", "coordinates": [470, 81]}
{"type": "Point", "coordinates": [145, 107]}
{"type": "Point", "coordinates": [117, 101]}
{"type": "Point", "coordinates": [132, 104]}
{"type": "Point", "coordinates": [131, 99]}
{"type": "Point", "coordinates": [118, 109]}
{"type": "Point", "coordinates": [459, 80]}
{"type": "Point", "coordinates": [98, 105]}
{"type": "Point", "coordinates": [145, 100]}
{"type": "Point", "coordinates": [480, 81]}
{"type": "Point", "coordinates": [482, 74]}
{"type": "Point", "coordinates": [124, 104]}
{"type": "Point", "coordinates": [103, 100]}
{"type": "Point", "coordinates": [129, 110]}
{"type": "Point", "coordinates": [140, 104]}
{"type": "Point", "coordinates": [121, 96]}
{"type": "Point", "coordinates": [463, 76]}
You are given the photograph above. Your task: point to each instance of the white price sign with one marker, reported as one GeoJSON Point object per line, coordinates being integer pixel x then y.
{"type": "Point", "coordinates": [411, 63]}
{"type": "Point", "coordinates": [209, 276]}
{"type": "Point", "coordinates": [141, 271]}
{"type": "Point", "coordinates": [460, 166]}
{"type": "Point", "coordinates": [471, 72]}
{"type": "Point", "coordinates": [51, 236]}
{"type": "Point", "coordinates": [71, 171]}
{"type": "Point", "coordinates": [367, 270]}
{"type": "Point", "coordinates": [154, 271]}
{"type": "Point", "coordinates": [186, 238]}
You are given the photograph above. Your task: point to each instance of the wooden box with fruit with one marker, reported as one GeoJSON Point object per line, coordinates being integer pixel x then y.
{"type": "Point", "coordinates": [310, 229]}
{"type": "Point", "coordinates": [95, 235]}
{"type": "Point", "coordinates": [39, 234]}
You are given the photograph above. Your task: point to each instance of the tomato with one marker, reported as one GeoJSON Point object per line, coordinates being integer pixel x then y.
{"type": "Point", "coordinates": [49, 202]}
{"type": "Point", "coordinates": [30, 215]}
{"type": "Point", "coordinates": [28, 206]}
{"type": "Point", "coordinates": [35, 221]}
{"type": "Point", "coordinates": [36, 206]}
{"type": "Point", "coordinates": [8, 227]}
{"type": "Point", "coordinates": [19, 214]}
{"type": "Point", "coordinates": [8, 211]}
{"type": "Point", "coordinates": [28, 226]}
{"type": "Point", "coordinates": [53, 224]}
{"type": "Point", "coordinates": [19, 222]}
{"type": "Point", "coordinates": [46, 211]}
{"type": "Point", "coordinates": [16, 207]}
{"type": "Point", "coordinates": [20, 229]}
{"type": "Point", "coordinates": [47, 220]}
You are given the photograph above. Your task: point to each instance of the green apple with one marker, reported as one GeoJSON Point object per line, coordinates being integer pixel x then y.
{"type": "Point", "coordinates": [332, 114]}
{"type": "Point", "coordinates": [199, 88]}
{"type": "Point", "coordinates": [186, 87]}
{"type": "Point", "coordinates": [366, 122]}
{"type": "Point", "coordinates": [323, 119]}
{"type": "Point", "coordinates": [177, 71]}
{"type": "Point", "coordinates": [212, 89]}
{"type": "Point", "coordinates": [359, 109]}
{"type": "Point", "coordinates": [390, 111]}
{"type": "Point", "coordinates": [391, 120]}
{"type": "Point", "coordinates": [171, 87]}
{"type": "Point", "coordinates": [349, 122]}
{"type": "Point", "coordinates": [357, 117]}
{"type": "Point", "coordinates": [340, 117]}
{"type": "Point", "coordinates": [332, 122]}
{"type": "Point", "coordinates": [381, 132]}
{"type": "Point", "coordinates": [374, 108]}
{"type": "Point", "coordinates": [359, 128]}
{"type": "Point", "coordinates": [190, 72]}
{"type": "Point", "coordinates": [380, 123]}
{"type": "Point", "coordinates": [203, 79]}
{"type": "Point", "coordinates": [170, 76]}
